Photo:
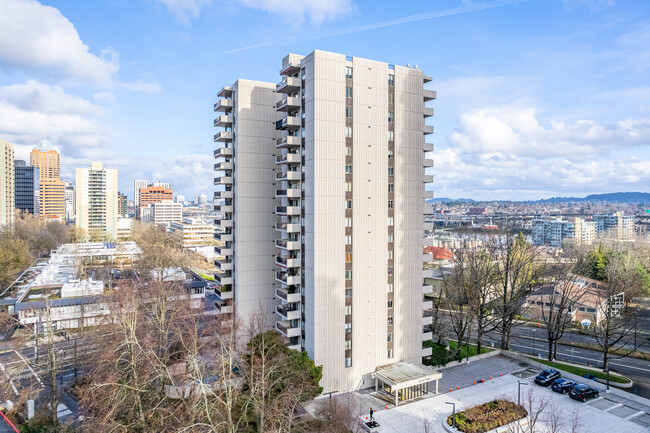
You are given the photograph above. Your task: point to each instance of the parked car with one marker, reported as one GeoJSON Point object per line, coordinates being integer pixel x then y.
{"type": "Point", "coordinates": [547, 377]}
{"type": "Point", "coordinates": [582, 392]}
{"type": "Point", "coordinates": [590, 376]}
{"type": "Point", "coordinates": [563, 385]}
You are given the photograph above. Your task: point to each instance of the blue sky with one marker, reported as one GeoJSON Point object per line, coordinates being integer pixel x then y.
{"type": "Point", "coordinates": [536, 98]}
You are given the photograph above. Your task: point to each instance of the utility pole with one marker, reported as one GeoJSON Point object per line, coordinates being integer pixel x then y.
{"type": "Point", "coordinates": [519, 383]}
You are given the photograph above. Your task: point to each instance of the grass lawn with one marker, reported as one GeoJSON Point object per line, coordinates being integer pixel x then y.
{"type": "Point", "coordinates": [582, 371]}
{"type": "Point", "coordinates": [205, 277]}
{"type": "Point", "coordinates": [440, 355]}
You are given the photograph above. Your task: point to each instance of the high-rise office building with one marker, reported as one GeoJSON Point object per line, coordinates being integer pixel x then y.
{"type": "Point", "coordinates": [137, 186]}
{"type": "Point", "coordinates": [179, 198]}
{"type": "Point", "coordinates": [200, 199]}
{"type": "Point", "coordinates": [52, 188]}
{"type": "Point", "coordinates": [96, 191]}
{"type": "Point", "coordinates": [154, 194]}
{"type": "Point", "coordinates": [27, 186]}
{"type": "Point", "coordinates": [162, 212]}
{"type": "Point", "coordinates": [70, 208]}
{"type": "Point", "coordinates": [7, 183]}
{"type": "Point", "coordinates": [122, 205]}
{"type": "Point", "coordinates": [347, 209]}
{"type": "Point", "coordinates": [246, 273]}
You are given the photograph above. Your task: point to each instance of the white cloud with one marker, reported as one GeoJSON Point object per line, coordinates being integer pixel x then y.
{"type": "Point", "coordinates": [36, 96]}
{"type": "Point", "coordinates": [142, 86]}
{"type": "Point", "coordinates": [314, 10]}
{"type": "Point", "coordinates": [39, 37]}
{"type": "Point", "coordinates": [185, 9]}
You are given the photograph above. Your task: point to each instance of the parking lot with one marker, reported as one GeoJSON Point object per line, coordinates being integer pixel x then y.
{"type": "Point", "coordinates": [607, 413]}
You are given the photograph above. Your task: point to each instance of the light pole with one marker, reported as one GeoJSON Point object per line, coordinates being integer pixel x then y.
{"type": "Point", "coordinates": [519, 383]}
{"type": "Point", "coordinates": [534, 337]}
{"type": "Point", "coordinates": [607, 371]}
{"type": "Point", "coordinates": [453, 413]}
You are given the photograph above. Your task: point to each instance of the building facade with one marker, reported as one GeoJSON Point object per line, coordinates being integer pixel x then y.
{"type": "Point", "coordinates": [27, 188]}
{"type": "Point", "coordinates": [349, 156]}
{"type": "Point", "coordinates": [122, 205]}
{"type": "Point", "coordinates": [7, 184]}
{"type": "Point", "coordinates": [618, 225]}
{"type": "Point", "coordinates": [154, 194]}
{"type": "Point", "coordinates": [137, 186]}
{"type": "Point", "coordinates": [163, 212]}
{"type": "Point", "coordinates": [96, 199]}
{"type": "Point", "coordinates": [52, 188]}
{"type": "Point", "coordinates": [70, 208]}
{"type": "Point", "coordinates": [555, 232]}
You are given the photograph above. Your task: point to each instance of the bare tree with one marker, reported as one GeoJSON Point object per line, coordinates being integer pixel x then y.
{"type": "Point", "coordinates": [456, 288]}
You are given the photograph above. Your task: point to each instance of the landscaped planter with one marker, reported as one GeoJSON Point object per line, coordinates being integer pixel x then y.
{"type": "Point", "coordinates": [371, 426]}
{"type": "Point", "coordinates": [488, 416]}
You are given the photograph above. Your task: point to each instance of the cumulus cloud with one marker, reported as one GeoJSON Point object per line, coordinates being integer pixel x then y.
{"type": "Point", "coordinates": [39, 37]}
{"type": "Point", "coordinates": [185, 9]}
{"type": "Point", "coordinates": [501, 152]}
{"type": "Point", "coordinates": [36, 96]}
{"type": "Point", "coordinates": [314, 10]}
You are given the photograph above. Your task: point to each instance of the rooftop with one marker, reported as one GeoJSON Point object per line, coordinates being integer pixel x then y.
{"type": "Point", "coordinates": [406, 374]}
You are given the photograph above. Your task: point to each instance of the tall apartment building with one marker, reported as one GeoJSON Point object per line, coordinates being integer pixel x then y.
{"type": "Point", "coordinates": [246, 273]}
{"type": "Point", "coordinates": [27, 188]}
{"type": "Point", "coordinates": [162, 212]}
{"type": "Point", "coordinates": [137, 186]}
{"type": "Point", "coordinates": [52, 188]}
{"type": "Point", "coordinates": [7, 183]}
{"type": "Point", "coordinates": [555, 232]}
{"type": "Point", "coordinates": [96, 191]}
{"type": "Point", "coordinates": [347, 209]}
{"type": "Point", "coordinates": [618, 225]}
{"type": "Point", "coordinates": [122, 205]}
{"type": "Point", "coordinates": [70, 208]}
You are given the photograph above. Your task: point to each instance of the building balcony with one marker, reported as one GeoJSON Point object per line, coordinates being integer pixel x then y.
{"type": "Point", "coordinates": [288, 158]}
{"type": "Point", "coordinates": [427, 320]}
{"type": "Point", "coordinates": [224, 194]}
{"type": "Point", "coordinates": [427, 273]}
{"type": "Point", "coordinates": [428, 95]}
{"type": "Point", "coordinates": [288, 227]}
{"type": "Point", "coordinates": [287, 245]}
{"type": "Point", "coordinates": [427, 305]}
{"type": "Point", "coordinates": [224, 292]}
{"type": "Point", "coordinates": [291, 176]}
{"type": "Point", "coordinates": [224, 105]}
{"type": "Point", "coordinates": [223, 251]}
{"type": "Point", "coordinates": [288, 103]}
{"type": "Point", "coordinates": [428, 178]}
{"type": "Point", "coordinates": [427, 289]}
{"type": "Point", "coordinates": [224, 223]}
{"type": "Point", "coordinates": [297, 347]}
{"type": "Point", "coordinates": [288, 193]}
{"type": "Point", "coordinates": [223, 264]}
{"type": "Point", "coordinates": [287, 312]}
{"type": "Point", "coordinates": [290, 69]}
{"type": "Point", "coordinates": [427, 351]}
{"type": "Point", "coordinates": [428, 162]}
{"type": "Point", "coordinates": [224, 237]}
{"type": "Point", "coordinates": [285, 329]}
{"type": "Point", "coordinates": [224, 308]}
{"type": "Point", "coordinates": [223, 279]}
{"type": "Point", "coordinates": [426, 78]}
{"type": "Point", "coordinates": [223, 180]}
{"type": "Point", "coordinates": [286, 297]}
{"type": "Point", "coordinates": [288, 85]}
{"type": "Point", "coordinates": [286, 279]}
{"type": "Point", "coordinates": [287, 262]}
{"type": "Point", "coordinates": [288, 141]}
{"type": "Point", "coordinates": [224, 166]}
{"type": "Point", "coordinates": [426, 336]}
{"type": "Point", "coordinates": [226, 208]}
{"type": "Point", "coordinates": [427, 112]}
{"type": "Point", "coordinates": [225, 92]}
{"type": "Point", "coordinates": [289, 122]}
{"type": "Point", "coordinates": [223, 121]}
{"type": "Point", "coordinates": [428, 147]}
{"type": "Point", "coordinates": [427, 129]}
{"type": "Point", "coordinates": [427, 194]}
{"type": "Point", "coordinates": [223, 152]}
{"type": "Point", "coordinates": [223, 137]}
{"type": "Point", "coordinates": [287, 210]}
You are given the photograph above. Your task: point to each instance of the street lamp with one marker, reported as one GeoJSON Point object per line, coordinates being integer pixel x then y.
{"type": "Point", "coordinates": [519, 383]}
{"type": "Point", "coordinates": [534, 337]}
{"type": "Point", "coordinates": [453, 413]}
{"type": "Point", "coordinates": [607, 371]}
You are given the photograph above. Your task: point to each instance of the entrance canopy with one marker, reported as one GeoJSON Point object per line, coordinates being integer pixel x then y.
{"type": "Point", "coordinates": [405, 381]}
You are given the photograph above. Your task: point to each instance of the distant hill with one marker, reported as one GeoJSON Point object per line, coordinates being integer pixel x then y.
{"type": "Point", "coordinates": [612, 197]}
{"type": "Point", "coordinates": [446, 199]}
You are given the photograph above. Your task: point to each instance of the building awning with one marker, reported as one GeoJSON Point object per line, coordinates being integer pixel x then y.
{"type": "Point", "coordinates": [401, 375]}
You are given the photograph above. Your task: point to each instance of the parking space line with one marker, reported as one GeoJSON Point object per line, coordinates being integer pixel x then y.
{"type": "Point", "coordinates": [612, 407]}
{"type": "Point", "coordinates": [30, 369]}
{"type": "Point", "coordinates": [634, 415]}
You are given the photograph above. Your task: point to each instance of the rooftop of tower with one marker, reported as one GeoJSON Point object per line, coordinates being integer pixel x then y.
{"type": "Point", "coordinates": [44, 145]}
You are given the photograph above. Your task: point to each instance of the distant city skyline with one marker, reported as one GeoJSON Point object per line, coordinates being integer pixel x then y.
{"type": "Point", "coordinates": [535, 99]}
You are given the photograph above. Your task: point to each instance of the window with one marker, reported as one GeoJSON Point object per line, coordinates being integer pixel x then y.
{"type": "Point", "coordinates": [348, 111]}
{"type": "Point", "coordinates": [391, 187]}
{"type": "Point", "coordinates": [348, 204]}
{"type": "Point", "coordinates": [390, 221]}
{"type": "Point", "coordinates": [348, 310]}
{"type": "Point", "coordinates": [391, 116]}
{"type": "Point", "coordinates": [348, 344]}
{"type": "Point", "coordinates": [348, 132]}
{"type": "Point", "coordinates": [390, 254]}
{"type": "Point", "coordinates": [302, 73]}
{"type": "Point", "coordinates": [348, 72]}
{"type": "Point", "coordinates": [390, 204]}
{"type": "Point", "coordinates": [348, 257]}
{"type": "Point", "coordinates": [581, 308]}
{"type": "Point", "coordinates": [348, 275]}
{"type": "Point", "coordinates": [391, 272]}
{"type": "Point", "coordinates": [391, 171]}
{"type": "Point", "coordinates": [390, 238]}
{"type": "Point", "coordinates": [348, 327]}
{"type": "Point", "coordinates": [390, 305]}
{"type": "Point", "coordinates": [348, 186]}
{"type": "Point", "coordinates": [348, 362]}
{"type": "Point", "coordinates": [391, 98]}
{"type": "Point", "coordinates": [348, 91]}
{"type": "Point", "coordinates": [391, 135]}
{"type": "Point", "coordinates": [348, 151]}
{"type": "Point", "coordinates": [348, 293]}
{"type": "Point", "coordinates": [390, 320]}
{"type": "Point", "coordinates": [390, 353]}
{"type": "Point", "coordinates": [348, 169]}
{"type": "Point", "coordinates": [348, 222]}
{"type": "Point", "coordinates": [591, 310]}
{"type": "Point", "coordinates": [391, 154]}
{"type": "Point", "coordinates": [348, 240]}
{"type": "Point", "coordinates": [390, 337]}
{"type": "Point", "coordinates": [390, 287]}
{"type": "Point", "coordinates": [391, 79]}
